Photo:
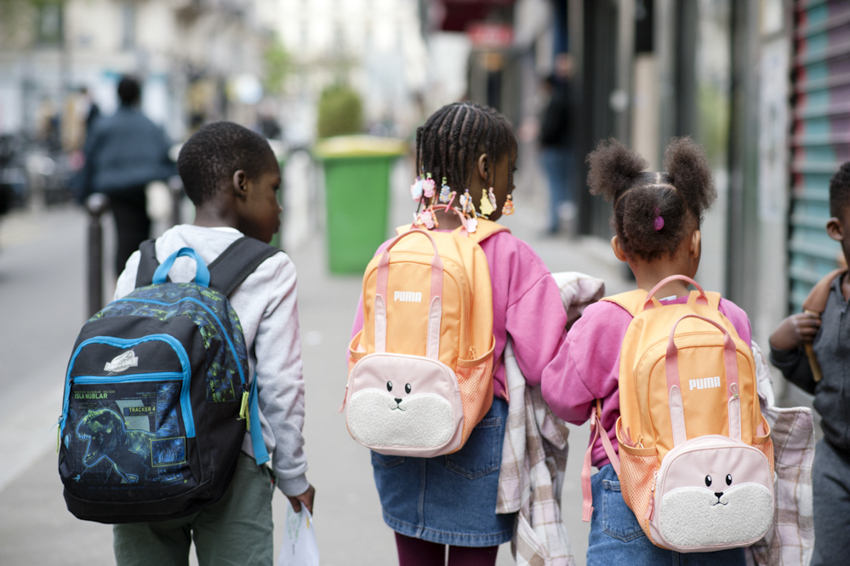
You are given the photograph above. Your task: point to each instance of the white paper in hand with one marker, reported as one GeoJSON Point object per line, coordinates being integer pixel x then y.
{"type": "Point", "coordinates": [299, 539]}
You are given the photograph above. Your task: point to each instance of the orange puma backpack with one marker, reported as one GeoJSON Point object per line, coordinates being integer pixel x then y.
{"type": "Point", "coordinates": [696, 459]}
{"type": "Point", "coordinates": [421, 369]}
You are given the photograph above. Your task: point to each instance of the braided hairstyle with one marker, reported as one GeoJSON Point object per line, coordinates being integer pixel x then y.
{"type": "Point", "coordinates": [839, 191]}
{"type": "Point", "coordinates": [680, 196]}
{"type": "Point", "coordinates": [450, 141]}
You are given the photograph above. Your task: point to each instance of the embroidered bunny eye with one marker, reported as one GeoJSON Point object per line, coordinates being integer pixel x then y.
{"type": "Point", "coordinates": [728, 479]}
{"type": "Point", "coordinates": [707, 481]}
{"type": "Point", "coordinates": [389, 386]}
{"type": "Point", "coordinates": [407, 388]}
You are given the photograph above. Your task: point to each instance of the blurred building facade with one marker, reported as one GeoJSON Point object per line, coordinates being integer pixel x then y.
{"type": "Point", "coordinates": [763, 85]}
{"type": "Point", "coordinates": [374, 46]}
{"type": "Point", "coordinates": [197, 59]}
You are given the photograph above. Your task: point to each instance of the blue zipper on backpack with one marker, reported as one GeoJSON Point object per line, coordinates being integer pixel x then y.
{"type": "Point", "coordinates": [211, 313]}
{"type": "Point", "coordinates": [185, 376]}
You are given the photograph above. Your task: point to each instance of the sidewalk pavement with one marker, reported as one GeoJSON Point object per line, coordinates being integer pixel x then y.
{"type": "Point", "coordinates": [35, 527]}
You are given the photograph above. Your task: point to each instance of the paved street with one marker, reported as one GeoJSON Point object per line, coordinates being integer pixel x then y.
{"type": "Point", "coordinates": [42, 308]}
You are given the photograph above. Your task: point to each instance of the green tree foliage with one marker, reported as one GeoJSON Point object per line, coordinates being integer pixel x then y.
{"type": "Point", "coordinates": [277, 65]}
{"type": "Point", "coordinates": [340, 111]}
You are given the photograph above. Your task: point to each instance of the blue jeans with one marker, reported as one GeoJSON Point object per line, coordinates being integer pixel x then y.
{"type": "Point", "coordinates": [558, 165]}
{"type": "Point", "coordinates": [449, 499]}
{"type": "Point", "coordinates": [616, 537]}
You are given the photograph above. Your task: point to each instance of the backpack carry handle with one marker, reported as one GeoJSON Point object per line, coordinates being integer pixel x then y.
{"type": "Point", "coordinates": [650, 297]}
{"type": "Point", "coordinates": [202, 274]}
{"type": "Point", "coordinates": [435, 313]}
{"type": "Point", "coordinates": [674, 387]}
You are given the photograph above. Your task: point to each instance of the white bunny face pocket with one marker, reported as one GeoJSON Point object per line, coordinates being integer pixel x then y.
{"type": "Point", "coordinates": [405, 405]}
{"type": "Point", "coordinates": [712, 492]}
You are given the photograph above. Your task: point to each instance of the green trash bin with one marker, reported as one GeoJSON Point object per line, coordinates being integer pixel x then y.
{"type": "Point", "coordinates": [357, 183]}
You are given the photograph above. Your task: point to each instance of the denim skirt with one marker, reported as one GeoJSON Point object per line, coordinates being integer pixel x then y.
{"type": "Point", "coordinates": [617, 538]}
{"type": "Point", "coordinates": [449, 499]}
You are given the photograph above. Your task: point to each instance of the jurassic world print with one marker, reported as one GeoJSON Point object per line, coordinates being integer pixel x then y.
{"type": "Point", "coordinates": [130, 434]}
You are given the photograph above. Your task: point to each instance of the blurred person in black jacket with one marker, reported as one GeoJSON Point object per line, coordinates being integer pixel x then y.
{"type": "Point", "coordinates": [556, 146]}
{"type": "Point", "coordinates": [123, 153]}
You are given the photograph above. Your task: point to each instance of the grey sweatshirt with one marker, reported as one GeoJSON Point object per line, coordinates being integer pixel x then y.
{"type": "Point", "coordinates": [267, 309]}
{"type": "Point", "coordinates": [832, 347]}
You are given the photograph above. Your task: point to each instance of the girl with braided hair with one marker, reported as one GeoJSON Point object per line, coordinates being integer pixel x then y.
{"type": "Point", "coordinates": [656, 220]}
{"type": "Point", "coordinates": [431, 503]}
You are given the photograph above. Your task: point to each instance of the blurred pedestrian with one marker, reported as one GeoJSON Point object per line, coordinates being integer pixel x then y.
{"type": "Point", "coordinates": [432, 503]}
{"type": "Point", "coordinates": [823, 372]}
{"type": "Point", "coordinates": [123, 153]}
{"type": "Point", "coordinates": [556, 142]}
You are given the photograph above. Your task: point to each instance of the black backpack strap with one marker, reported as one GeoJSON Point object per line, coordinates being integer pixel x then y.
{"type": "Point", "coordinates": [237, 262]}
{"type": "Point", "coordinates": [147, 263]}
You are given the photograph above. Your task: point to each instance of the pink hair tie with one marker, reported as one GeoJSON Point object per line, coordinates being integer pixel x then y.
{"type": "Point", "coordinates": [658, 224]}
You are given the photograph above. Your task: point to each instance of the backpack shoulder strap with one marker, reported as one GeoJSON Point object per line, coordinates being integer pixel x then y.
{"type": "Point", "coordinates": [237, 262]}
{"type": "Point", "coordinates": [816, 301]}
{"type": "Point", "coordinates": [147, 263]}
{"type": "Point", "coordinates": [630, 301]}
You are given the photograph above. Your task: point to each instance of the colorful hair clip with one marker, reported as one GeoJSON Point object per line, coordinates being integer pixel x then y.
{"type": "Point", "coordinates": [509, 208]}
{"type": "Point", "coordinates": [486, 207]}
{"type": "Point", "coordinates": [445, 192]}
{"type": "Point", "coordinates": [428, 186]}
{"type": "Point", "coordinates": [658, 223]}
{"type": "Point", "coordinates": [416, 189]}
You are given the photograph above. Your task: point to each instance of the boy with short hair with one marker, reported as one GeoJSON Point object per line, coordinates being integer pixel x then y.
{"type": "Point", "coordinates": [231, 175]}
{"type": "Point", "coordinates": [827, 335]}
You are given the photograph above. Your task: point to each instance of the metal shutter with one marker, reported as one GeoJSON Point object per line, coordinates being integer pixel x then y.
{"type": "Point", "coordinates": [821, 136]}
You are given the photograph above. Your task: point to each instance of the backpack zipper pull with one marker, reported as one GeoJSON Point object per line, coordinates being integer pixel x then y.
{"type": "Point", "coordinates": [58, 433]}
{"type": "Point", "coordinates": [651, 508]}
{"type": "Point", "coordinates": [243, 410]}
{"type": "Point", "coordinates": [344, 398]}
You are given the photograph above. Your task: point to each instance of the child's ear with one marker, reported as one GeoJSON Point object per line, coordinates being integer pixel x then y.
{"type": "Point", "coordinates": [618, 250]}
{"type": "Point", "coordinates": [835, 229]}
{"type": "Point", "coordinates": [695, 248]}
{"type": "Point", "coordinates": [483, 167]}
{"type": "Point", "coordinates": [240, 183]}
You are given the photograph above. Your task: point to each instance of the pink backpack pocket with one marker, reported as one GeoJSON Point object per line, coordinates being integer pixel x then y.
{"type": "Point", "coordinates": [405, 405]}
{"type": "Point", "coordinates": [711, 493]}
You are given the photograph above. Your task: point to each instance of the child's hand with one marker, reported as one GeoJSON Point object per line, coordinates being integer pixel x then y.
{"type": "Point", "coordinates": [795, 330]}
{"type": "Point", "coordinates": [306, 498]}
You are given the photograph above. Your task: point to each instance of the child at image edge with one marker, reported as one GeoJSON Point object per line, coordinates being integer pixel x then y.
{"type": "Point", "coordinates": [451, 500]}
{"type": "Point", "coordinates": [232, 176]}
{"type": "Point", "coordinates": [828, 335]}
{"type": "Point", "coordinates": [657, 224]}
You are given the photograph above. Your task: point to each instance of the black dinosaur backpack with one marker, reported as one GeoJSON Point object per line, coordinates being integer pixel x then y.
{"type": "Point", "coordinates": [157, 396]}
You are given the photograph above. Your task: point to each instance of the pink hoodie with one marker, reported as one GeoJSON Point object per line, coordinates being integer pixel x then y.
{"type": "Point", "coordinates": [526, 304]}
{"type": "Point", "coordinates": [587, 366]}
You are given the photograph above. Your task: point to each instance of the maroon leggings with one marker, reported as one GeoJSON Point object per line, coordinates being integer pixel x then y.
{"type": "Point", "coordinates": [418, 552]}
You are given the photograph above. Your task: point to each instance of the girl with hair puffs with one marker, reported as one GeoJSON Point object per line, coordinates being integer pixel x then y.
{"type": "Point", "coordinates": [656, 219]}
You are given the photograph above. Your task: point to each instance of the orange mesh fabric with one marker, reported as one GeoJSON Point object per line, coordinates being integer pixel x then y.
{"type": "Point", "coordinates": [767, 448]}
{"type": "Point", "coordinates": [476, 391]}
{"type": "Point", "coordinates": [637, 478]}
